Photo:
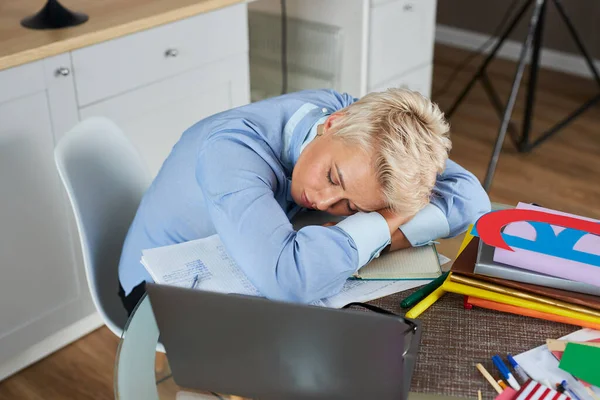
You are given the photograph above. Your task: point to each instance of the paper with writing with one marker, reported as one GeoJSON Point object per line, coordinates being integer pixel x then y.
{"type": "Point", "coordinates": [179, 264]}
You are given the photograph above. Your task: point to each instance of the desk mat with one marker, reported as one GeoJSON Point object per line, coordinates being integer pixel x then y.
{"type": "Point", "coordinates": [455, 339]}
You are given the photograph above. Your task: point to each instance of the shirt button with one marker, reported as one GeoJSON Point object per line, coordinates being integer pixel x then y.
{"type": "Point", "coordinates": [324, 110]}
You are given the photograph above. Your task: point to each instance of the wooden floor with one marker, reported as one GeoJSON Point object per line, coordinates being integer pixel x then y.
{"type": "Point", "coordinates": [561, 174]}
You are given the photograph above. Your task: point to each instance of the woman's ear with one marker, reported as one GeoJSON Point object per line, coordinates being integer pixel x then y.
{"type": "Point", "coordinates": [330, 121]}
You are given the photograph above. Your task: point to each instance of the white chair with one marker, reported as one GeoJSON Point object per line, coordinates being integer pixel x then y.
{"type": "Point", "coordinates": [105, 179]}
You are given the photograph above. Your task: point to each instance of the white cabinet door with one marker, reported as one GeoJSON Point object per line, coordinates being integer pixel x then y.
{"type": "Point", "coordinates": [401, 38]}
{"type": "Point", "coordinates": [114, 67]}
{"type": "Point", "coordinates": [418, 79]}
{"type": "Point", "coordinates": [43, 290]}
{"type": "Point", "coordinates": [154, 117]}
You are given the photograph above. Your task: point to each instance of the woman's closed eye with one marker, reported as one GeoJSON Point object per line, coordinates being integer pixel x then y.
{"type": "Point", "coordinates": [329, 178]}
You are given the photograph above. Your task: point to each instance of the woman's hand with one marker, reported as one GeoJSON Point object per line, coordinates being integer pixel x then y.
{"type": "Point", "coordinates": [393, 220]}
{"type": "Point", "coordinates": [399, 241]}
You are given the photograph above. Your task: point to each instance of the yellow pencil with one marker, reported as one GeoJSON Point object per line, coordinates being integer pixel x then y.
{"type": "Point", "coordinates": [425, 303]}
{"type": "Point", "coordinates": [489, 378]}
{"type": "Point", "coordinates": [479, 394]}
{"type": "Point", "coordinates": [502, 384]}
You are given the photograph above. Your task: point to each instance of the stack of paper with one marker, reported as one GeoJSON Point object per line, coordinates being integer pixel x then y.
{"type": "Point", "coordinates": [205, 265]}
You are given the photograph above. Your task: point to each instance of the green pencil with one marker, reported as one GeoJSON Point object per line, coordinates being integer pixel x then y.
{"type": "Point", "coordinates": [424, 291]}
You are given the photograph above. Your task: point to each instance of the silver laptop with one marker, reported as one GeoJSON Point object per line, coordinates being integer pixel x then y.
{"type": "Point", "coordinates": [262, 349]}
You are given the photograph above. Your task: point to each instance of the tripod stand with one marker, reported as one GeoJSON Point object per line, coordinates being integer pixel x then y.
{"type": "Point", "coordinates": [532, 41]}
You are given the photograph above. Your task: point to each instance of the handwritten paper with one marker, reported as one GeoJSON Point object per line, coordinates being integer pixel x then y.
{"type": "Point", "coordinates": [563, 264]}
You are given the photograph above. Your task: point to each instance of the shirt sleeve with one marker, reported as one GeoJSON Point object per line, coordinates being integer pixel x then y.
{"type": "Point", "coordinates": [458, 200]}
{"type": "Point", "coordinates": [301, 266]}
{"type": "Point", "coordinates": [370, 233]}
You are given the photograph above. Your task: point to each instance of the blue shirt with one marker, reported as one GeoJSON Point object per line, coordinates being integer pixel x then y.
{"type": "Point", "coordinates": [230, 174]}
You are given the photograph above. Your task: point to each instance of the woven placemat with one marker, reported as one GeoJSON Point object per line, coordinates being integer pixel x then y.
{"type": "Point", "coordinates": [455, 339]}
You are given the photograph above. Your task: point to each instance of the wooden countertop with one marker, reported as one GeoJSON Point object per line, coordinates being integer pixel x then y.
{"type": "Point", "coordinates": [109, 19]}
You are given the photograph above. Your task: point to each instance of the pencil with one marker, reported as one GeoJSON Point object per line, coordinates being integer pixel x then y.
{"type": "Point", "coordinates": [479, 394]}
{"type": "Point", "coordinates": [489, 378]}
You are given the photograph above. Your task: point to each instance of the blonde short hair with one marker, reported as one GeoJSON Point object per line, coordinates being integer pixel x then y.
{"type": "Point", "coordinates": [410, 138]}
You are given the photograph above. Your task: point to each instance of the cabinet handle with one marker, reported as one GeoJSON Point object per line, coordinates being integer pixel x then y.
{"type": "Point", "coordinates": [62, 71]}
{"type": "Point", "coordinates": [171, 53]}
{"type": "Point", "coordinates": [408, 7]}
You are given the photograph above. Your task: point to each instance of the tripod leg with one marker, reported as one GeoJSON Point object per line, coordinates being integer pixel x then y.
{"type": "Point", "coordinates": [513, 94]}
{"type": "Point", "coordinates": [489, 58]}
{"type": "Point", "coordinates": [531, 87]}
{"type": "Point", "coordinates": [578, 41]}
{"type": "Point", "coordinates": [487, 85]}
{"type": "Point", "coordinates": [566, 121]}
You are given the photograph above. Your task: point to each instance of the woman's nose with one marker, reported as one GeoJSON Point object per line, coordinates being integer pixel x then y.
{"type": "Point", "coordinates": [327, 198]}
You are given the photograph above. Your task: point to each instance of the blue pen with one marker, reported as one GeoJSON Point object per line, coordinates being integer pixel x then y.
{"type": "Point", "coordinates": [196, 280]}
{"type": "Point", "coordinates": [518, 369]}
{"type": "Point", "coordinates": [505, 372]}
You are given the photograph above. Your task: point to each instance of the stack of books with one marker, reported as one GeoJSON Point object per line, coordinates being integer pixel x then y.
{"type": "Point", "coordinates": [548, 271]}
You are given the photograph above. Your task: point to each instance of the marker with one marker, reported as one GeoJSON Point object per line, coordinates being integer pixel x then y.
{"type": "Point", "coordinates": [568, 389]}
{"type": "Point", "coordinates": [424, 304]}
{"type": "Point", "coordinates": [424, 291]}
{"type": "Point", "coordinates": [518, 369]}
{"type": "Point", "coordinates": [505, 372]}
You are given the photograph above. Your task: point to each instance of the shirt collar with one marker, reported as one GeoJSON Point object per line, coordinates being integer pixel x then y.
{"type": "Point", "coordinates": [300, 130]}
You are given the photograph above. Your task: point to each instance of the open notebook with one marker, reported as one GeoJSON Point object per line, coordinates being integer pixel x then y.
{"type": "Point", "coordinates": [414, 263]}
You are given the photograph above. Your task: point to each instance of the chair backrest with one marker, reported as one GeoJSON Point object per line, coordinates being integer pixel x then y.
{"type": "Point", "coordinates": [105, 179]}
